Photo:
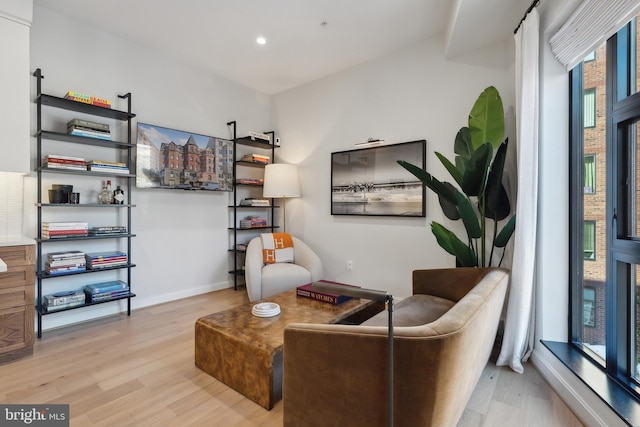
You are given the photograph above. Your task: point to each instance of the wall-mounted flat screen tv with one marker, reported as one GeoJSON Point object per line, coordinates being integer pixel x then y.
{"type": "Point", "coordinates": [175, 159]}
{"type": "Point", "coordinates": [370, 182]}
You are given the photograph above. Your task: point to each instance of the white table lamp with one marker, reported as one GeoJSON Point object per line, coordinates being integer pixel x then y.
{"type": "Point", "coordinates": [281, 181]}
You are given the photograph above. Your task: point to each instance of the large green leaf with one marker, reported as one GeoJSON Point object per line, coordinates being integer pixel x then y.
{"type": "Point", "coordinates": [453, 170]}
{"type": "Point", "coordinates": [476, 170]}
{"type": "Point", "coordinates": [469, 217]}
{"type": "Point", "coordinates": [463, 146]}
{"type": "Point", "coordinates": [434, 184]}
{"type": "Point", "coordinates": [465, 255]}
{"type": "Point", "coordinates": [497, 206]}
{"type": "Point", "coordinates": [449, 209]}
{"type": "Point", "coordinates": [486, 119]}
{"type": "Point", "coordinates": [503, 237]}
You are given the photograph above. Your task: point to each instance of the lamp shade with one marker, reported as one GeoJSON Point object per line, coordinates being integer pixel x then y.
{"type": "Point", "coordinates": [281, 180]}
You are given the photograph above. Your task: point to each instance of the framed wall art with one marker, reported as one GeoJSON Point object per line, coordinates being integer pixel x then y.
{"type": "Point", "coordinates": [370, 182]}
{"type": "Point", "coordinates": [174, 159]}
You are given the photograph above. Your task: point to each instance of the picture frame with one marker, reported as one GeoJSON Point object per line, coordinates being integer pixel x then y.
{"type": "Point", "coordinates": [370, 182]}
{"type": "Point", "coordinates": [174, 159]}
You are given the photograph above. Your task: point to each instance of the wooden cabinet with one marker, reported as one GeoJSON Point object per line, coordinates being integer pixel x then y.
{"type": "Point", "coordinates": [16, 301]}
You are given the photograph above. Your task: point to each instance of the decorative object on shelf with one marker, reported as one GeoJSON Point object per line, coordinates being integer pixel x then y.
{"type": "Point", "coordinates": [369, 182]}
{"type": "Point", "coordinates": [479, 174]}
{"type": "Point", "coordinates": [74, 198]}
{"type": "Point", "coordinates": [118, 196]}
{"type": "Point", "coordinates": [260, 135]}
{"type": "Point", "coordinates": [281, 181]}
{"type": "Point", "coordinates": [200, 163]}
{"type": "Point", "coordinates": [64, 190]}
{"type": "Point", "coordinates": [104, 197]}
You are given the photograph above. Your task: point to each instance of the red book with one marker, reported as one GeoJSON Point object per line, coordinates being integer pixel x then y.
{"type": "Point", "coordinates": [307, 292]}
{"type": "Point", "coordinates": [64, 232]}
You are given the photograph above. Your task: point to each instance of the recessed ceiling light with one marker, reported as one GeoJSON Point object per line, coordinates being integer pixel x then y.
{"type": "Point", "coordinates": [261, 40]}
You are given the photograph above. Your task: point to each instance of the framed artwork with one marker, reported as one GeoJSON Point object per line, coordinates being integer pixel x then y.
{"type": "Point", "coordinates": [174, 159]}
{"type": "Point", "coordinates": [370, 182]}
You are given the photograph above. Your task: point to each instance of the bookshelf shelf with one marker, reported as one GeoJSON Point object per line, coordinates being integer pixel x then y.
{"type": "Point", "coordinates": [43, 312]}
{"type": "Point", "coordinates": [121, 212]}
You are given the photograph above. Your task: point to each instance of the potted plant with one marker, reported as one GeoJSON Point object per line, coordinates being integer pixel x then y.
{"type": "Point", "coordinates": [480, 200]}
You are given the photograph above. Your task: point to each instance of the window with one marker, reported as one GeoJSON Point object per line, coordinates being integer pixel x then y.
{"type": "Point", "coordinates": [589, 307]}
{"type": "Point", "coordinates": [591, 56]}
{"type": "Point", "coordinates": [589, 174]}
{"type": "Point", "coordinates": [605, 299]}
{"type": "Point", "coordinates": [589, 240]}
{"type": "Point", "coordinates": [590, 108]}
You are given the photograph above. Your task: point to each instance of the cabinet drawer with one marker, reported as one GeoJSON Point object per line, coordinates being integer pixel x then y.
{"type": "Point", "coordinates": [18, 255]}
{"type": "Point", "coordinates": [16, 297]}
{"type": "Point", "coordinates": [21, 275]}
{"type": "Point", "coordinates": [16, 328]}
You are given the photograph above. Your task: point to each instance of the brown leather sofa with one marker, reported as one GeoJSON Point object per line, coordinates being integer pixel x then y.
{"type": "Point", "coordinates": [336, 375]}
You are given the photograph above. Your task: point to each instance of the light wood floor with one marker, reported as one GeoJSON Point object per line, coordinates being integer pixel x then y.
{"type": "Point", "coordinates": [139, 371]}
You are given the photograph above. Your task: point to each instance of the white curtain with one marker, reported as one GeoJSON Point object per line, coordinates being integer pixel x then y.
{"type": "Point", "coordinates": [519, 330]}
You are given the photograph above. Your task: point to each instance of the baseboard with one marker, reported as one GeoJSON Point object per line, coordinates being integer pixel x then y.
{"type": "Point", "coordinates": [584, 403]}
{"type": "Point", "coordinates": [173, 296]}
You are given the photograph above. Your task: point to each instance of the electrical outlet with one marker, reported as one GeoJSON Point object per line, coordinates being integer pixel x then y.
{"type": "Point", "coordinates": [349, 265]}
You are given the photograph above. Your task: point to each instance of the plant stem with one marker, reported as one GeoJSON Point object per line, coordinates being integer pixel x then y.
{"type": "Point", "coordinates": [495, 233]}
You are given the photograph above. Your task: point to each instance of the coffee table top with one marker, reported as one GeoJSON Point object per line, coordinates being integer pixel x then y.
{"type": "Point", "coordinates": [268, 332]}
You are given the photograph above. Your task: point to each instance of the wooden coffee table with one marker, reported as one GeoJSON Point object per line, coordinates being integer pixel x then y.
{"type": "Point", "coordinates": [245, 352]}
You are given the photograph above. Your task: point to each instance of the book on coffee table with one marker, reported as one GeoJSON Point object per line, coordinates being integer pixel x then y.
{"type": "Point", "coordinates": [306, 291]}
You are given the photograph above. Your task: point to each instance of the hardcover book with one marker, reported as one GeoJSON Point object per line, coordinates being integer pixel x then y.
{"type": "Point", "coordinates": [306, 291]}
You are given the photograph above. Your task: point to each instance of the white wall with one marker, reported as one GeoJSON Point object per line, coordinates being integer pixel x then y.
{"type": "Point", "coordinates": [182, 238]}
{"type": "Point", "coordinates": [410, 95]}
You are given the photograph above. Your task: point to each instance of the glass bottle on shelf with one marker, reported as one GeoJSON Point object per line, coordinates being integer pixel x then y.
{"type": "Point", "coordinates": [104, 197]}
{"type": "Point", "coordinates": [118, 196]}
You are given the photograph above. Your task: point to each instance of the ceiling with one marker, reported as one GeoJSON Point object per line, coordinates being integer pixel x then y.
{"type": "Point", "coordinates": [306, 39]}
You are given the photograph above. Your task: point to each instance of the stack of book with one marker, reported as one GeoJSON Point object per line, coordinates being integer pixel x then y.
{"type": "Point", "coordinates": [307, 291]}
{"type": "Point", "coordinates": [57, 161]}
{"type": "Point", "coordinates": [256, 158]}
{"type": "Point", "coordinates": [86, 99]}
{"type": "Point", "coordinates": [105, 291]}
{"type": "Point", "coordinates": [62, 300]}
{"type": "Point", "coordinates": [253, 222]}
{"type": "Point", "coordinates": [254, 202]}
{"type": "Point", "coordinates": [259, 135]}
{"type": "Point", "coordinates": [107, 230]}
{"type": "Point", "coordinates": [249, 181]}
{"type": "Point", "coordinates": [66, 262]}
{"type": "Point", "coordinates": [99, 260]}
{"type": "Point", "coordinates": [59, 230]}
{"type": "Point", "coordinates": [105, 166]}
{"type": "Point", "coordinates": [89, 129]}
